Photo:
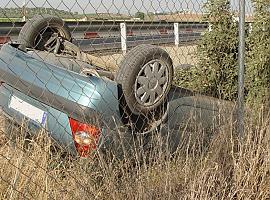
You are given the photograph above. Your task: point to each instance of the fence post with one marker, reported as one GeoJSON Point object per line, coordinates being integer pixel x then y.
{"type": "Point", "coordinates": [123, 28]}
{"type": "Point", "coordinates": [24, 11]}
{"type": "Point", "coordinates": [250, 27]}
{"type": "Point", "coordinates": [240, 102]}
{"type": "Point", "coordinates": [210, 27]}
{"type": "Point", "coordinates": [176, 34]}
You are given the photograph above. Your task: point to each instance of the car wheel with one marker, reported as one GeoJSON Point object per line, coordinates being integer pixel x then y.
{"type": "Point", "coordinates": [44, 33]}
{"type": "Point", "coordinates": [145, 76]}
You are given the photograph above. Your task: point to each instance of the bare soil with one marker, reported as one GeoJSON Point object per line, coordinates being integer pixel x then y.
{"type": "Point", "coordinates": [180, 55]}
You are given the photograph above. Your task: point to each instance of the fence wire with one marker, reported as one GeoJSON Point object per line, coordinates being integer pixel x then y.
{"type": "Point", "coordinates": [108, 99]}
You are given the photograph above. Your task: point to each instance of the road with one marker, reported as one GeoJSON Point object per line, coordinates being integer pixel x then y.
{"type": "Point", "coordinates": [107, 34]}
{"type": "Point", "coordinates": [98, 44]}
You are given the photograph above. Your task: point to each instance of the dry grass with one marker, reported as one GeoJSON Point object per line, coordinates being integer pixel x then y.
{"type": "Point", "coordinates": [214, 167]}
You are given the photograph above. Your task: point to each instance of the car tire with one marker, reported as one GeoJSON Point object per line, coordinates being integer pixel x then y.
{"type": "Point", "coordinates": [38, 30]}
{"type": "Point", "coordinates": [145, 76]}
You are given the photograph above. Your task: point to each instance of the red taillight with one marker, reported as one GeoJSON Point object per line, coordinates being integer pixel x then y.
{"type": "Point", "coordinates": [85, 137]}
{"type": "Point", "coordinates": [4, 39]}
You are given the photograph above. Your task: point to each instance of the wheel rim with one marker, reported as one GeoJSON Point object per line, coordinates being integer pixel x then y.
{"type": "Point", "coordinates": [151, 82]}
{"type": "Point", "coordinates": [48, 39]}
{"type": "Point", "coordinates": [53, 43]}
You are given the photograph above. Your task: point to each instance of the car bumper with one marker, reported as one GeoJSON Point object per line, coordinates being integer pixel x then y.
{"type": "Point", "coordinates": [56, 123]}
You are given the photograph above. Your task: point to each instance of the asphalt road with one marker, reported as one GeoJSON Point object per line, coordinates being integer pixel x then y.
{"type": "Point", "coordinates": [97, 44]}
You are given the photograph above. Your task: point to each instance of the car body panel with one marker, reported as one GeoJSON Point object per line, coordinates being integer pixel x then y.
{"type": "Point", "coordinates": [78, 95]}
{"type": "Point", "coordinates": [207, 111]}
{"type": "Point", "coordinates": [57, 122]}
{"type": "Point", "coordinates": [62, 93]}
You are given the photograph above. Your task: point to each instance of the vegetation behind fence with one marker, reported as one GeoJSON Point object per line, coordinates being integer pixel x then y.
{"type": "Point", "coordinates": [187, 148]}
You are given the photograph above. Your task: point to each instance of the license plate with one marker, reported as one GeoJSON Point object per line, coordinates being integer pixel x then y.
{"type": "Point", "coordinates": [28, 110]}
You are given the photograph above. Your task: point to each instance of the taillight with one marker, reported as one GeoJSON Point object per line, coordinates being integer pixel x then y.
{"type": "Point", "coordinates": [85, 137]}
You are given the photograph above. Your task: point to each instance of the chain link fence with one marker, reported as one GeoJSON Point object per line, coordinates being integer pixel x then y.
{"type": "Point", "coordinates": [132, 99]}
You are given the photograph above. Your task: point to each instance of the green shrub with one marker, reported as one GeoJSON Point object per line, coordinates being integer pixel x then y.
{"type": "Point", "coordinates": [217, 70]}
{"type": "Point", "coordinates": [216, 73]}
{"type": "Point", "coordinates": [258, 59]}
{"type": "Point", "coordinates": [140, 15]}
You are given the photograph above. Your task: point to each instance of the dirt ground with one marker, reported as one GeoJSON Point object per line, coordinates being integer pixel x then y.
{"type": "Point", "coordinates": [180, 55]}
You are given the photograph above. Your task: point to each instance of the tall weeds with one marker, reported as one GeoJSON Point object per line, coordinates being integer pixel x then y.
{"type": "Point", "coordinates": [209, 164]}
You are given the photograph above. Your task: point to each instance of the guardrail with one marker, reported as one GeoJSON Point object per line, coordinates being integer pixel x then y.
{"type": "Point", "coordinates": [13, 28]}
{"type": "Point", "coordinates": [112, 43]}
{"type": "Point", "coordinates": [109, 35]}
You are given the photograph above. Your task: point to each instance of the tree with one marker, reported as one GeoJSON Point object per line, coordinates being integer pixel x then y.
{"type": "Point", "coordinates": [217, 52]}
{"type": "Point", "coordinates": [258, 59]}
{"type": "Point", "coordinates": [217, 71]}
{"type": "Point", "coordinates": [140, 15]}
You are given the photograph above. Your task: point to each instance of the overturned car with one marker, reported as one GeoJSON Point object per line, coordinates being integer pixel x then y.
{"type": "Point", "coordinates": [47, 81]}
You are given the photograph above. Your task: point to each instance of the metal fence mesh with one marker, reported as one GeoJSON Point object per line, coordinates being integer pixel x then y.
{"type": "Point", "coordinates": [99, 98]}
